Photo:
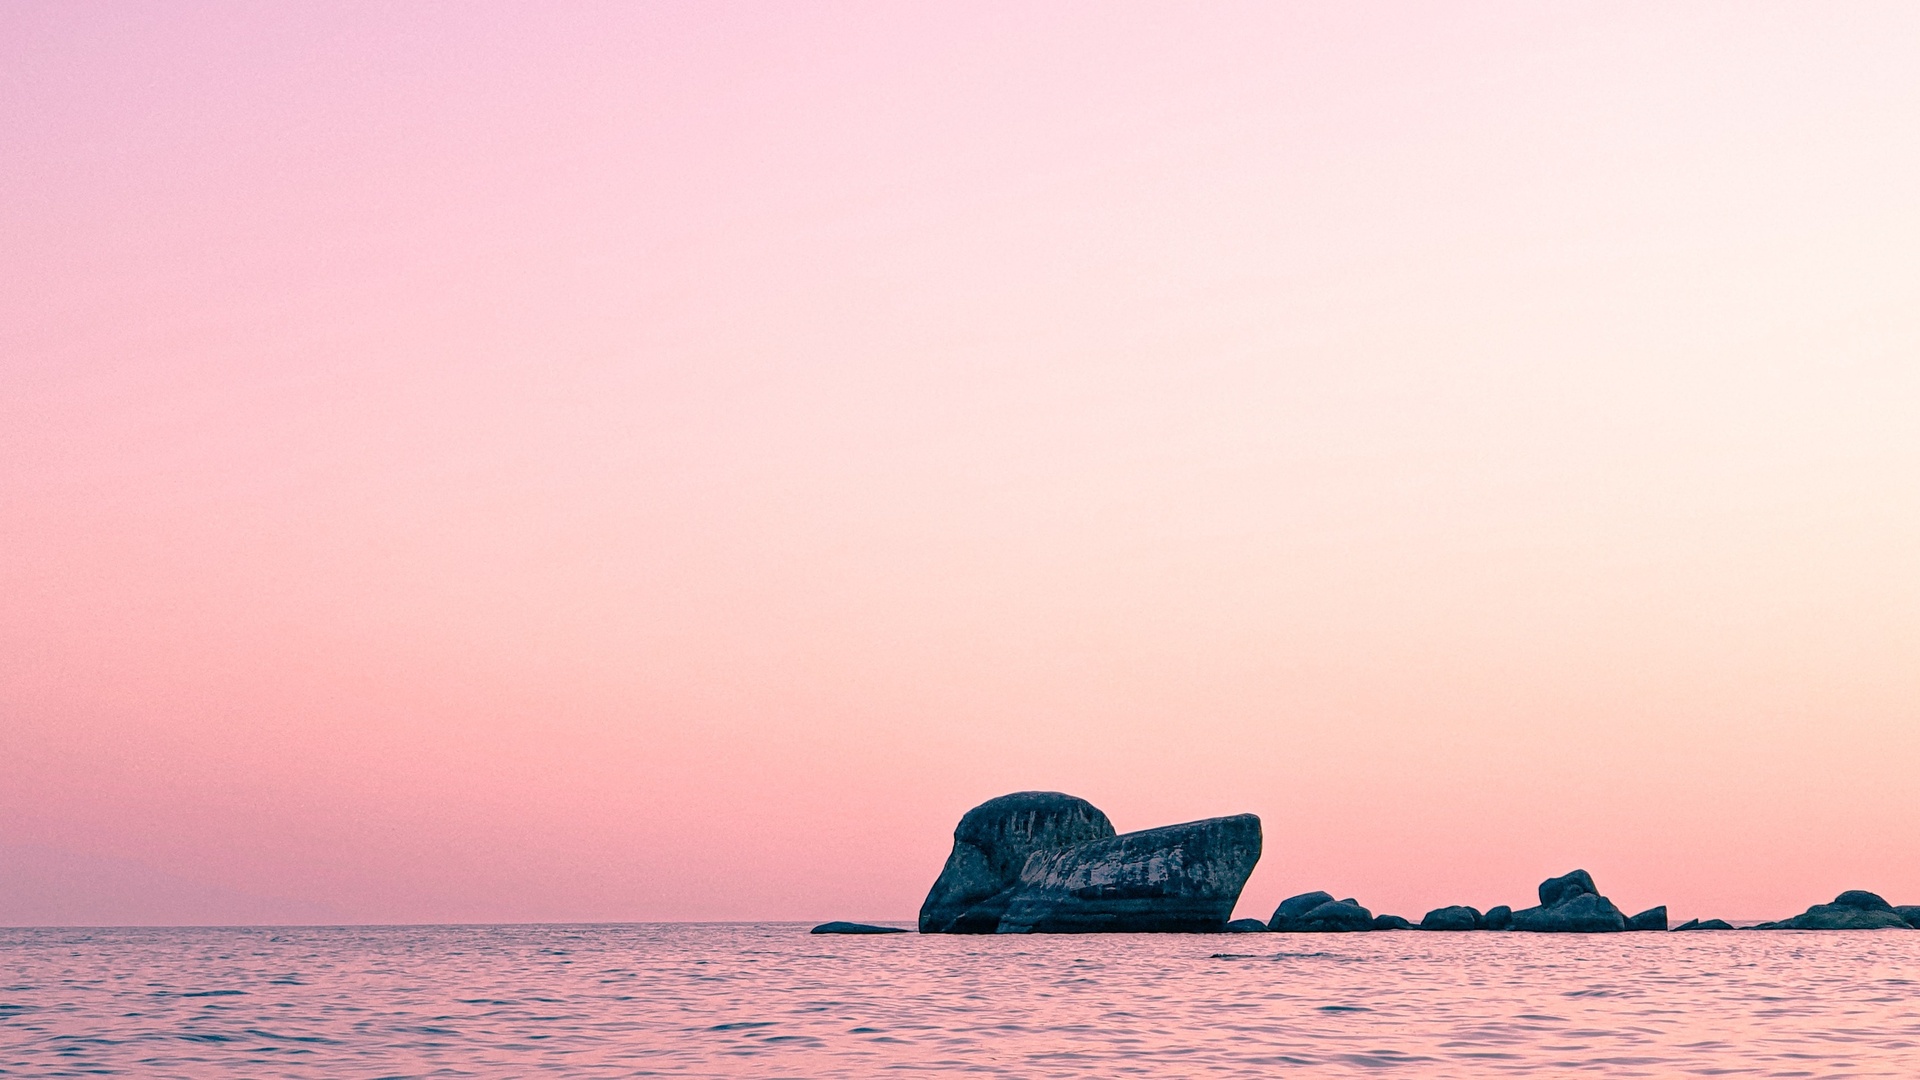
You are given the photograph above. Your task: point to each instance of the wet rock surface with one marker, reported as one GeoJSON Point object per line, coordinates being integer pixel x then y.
{"type": "Point", "coordinates": [1174, 879]}
{"type": "Point", "coordinates": [991, 846]}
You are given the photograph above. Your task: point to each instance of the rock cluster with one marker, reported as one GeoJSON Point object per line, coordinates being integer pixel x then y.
{"type": "Point", "coordinates": [1043, 862]}
{"type": "Point", "coordinates": [1855, 909]}
{"type": "Point", "coordinates": [1569, 903]}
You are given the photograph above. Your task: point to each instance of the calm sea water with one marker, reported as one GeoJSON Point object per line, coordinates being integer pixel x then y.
{"type": "Point", "coordinates": [770, 1000]}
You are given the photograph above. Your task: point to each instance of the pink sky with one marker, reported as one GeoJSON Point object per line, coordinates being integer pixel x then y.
{"type": "Point", "coordinates": [485, 462]}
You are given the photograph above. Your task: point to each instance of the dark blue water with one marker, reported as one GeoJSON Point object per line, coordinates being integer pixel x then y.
{"type": "Point", "coordinates": [770, 1000]}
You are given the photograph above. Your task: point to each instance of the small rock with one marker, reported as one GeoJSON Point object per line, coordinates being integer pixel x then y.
{"type": "Point", "coordinates": [1500, 918]}
{"type": "Point", "coordinates": [1246, 926]}
{"type": "Point", "coordinates": [1566, 887]}
{"type": "Point", "coordinates": [1293, 907]}
{"type": "Point", "coordinates": [1650, 919]}
{"type": "Point", "coordinates": [1458, 917]}
{"type": "Point", "coordinates": [1391, 922]}
{"type": "Point", "coordinates": [1861, 900]}
{"type": "Point", "coordinates": [1911, 913]}
{"type": "Point", "coordinates": [854, 928]}
{"type": "Point", "coordinates": [1706, 924]}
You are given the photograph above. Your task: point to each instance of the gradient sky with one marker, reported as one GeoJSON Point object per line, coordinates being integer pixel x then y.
{"type": "Point", "coordinates": [491, 462]}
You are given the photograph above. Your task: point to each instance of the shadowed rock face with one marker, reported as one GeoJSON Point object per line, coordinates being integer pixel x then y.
{"type": "Point", "coordinates": [1458, 917]}
{"type": "Point", "coordinates": [1293, 907]}
{"type": "Point", "coordinates": [1570, 904]}
{"type": "Point", "coordinates": [1855, 909]}
{"type": "Point", "coordinates": [1174, 879]}
{"type": "Point", "coordinates": [1650, 919]}
{"type": "Point", "coordinates": [991, 845]}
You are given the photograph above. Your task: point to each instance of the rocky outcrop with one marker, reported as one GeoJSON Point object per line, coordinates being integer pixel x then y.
{"type": "Point", "coordinates": [991, 846]}
{"type": "Point", "coordinates": [1911, 913]}
{"type": "Point", "coordinates": [1246, 926]}
{"type": "Point", "coordinates": [854, 928]}
{"type": "Point", "coordinates": [1499, 917]}
{"type": "Point", "coordinates": [1570, 904]}
{"type": "Point", "coordinates": [1457, 917]}
{"type": "Point", "coordinates": [1174, 879]}
{"type": "Point", "coordinates": [1704, 924]}
{"type": "Point", "coordinates": [1293, 907]}
{"type": "Point", "coordinates": [1390, 922]}
{"type": "Point", "coordinates": [1650, 919]}
{"type": "Point", "coordinates": [1335, 917]}
{"type": "Point", "coordinates": [1855, 909]}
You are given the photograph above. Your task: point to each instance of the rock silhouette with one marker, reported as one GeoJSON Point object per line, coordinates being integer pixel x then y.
{"type": "Point", "coordinates": [990, 848]}
{"type": "Point", "coordinates": [854, 928]}
{"type": "Point", "coordinates": [1706, 924]}
{"type": "Point", "coordinates": [1650, 919]}
{"type": "Point", "coordinates": [1855, 909]}
{"type": "Point", "coordinates": [1500, 917]}
{"type": "Point", "coordinates": [1293, 907]}
{"type": "Point", "coordinates": [1246, 926]}
{"type": "Point", "coordinates": [1457, 917]}
{"type": "Point", "coordinates": [1390, 922]}
{"type": "Point", "coordinates": [1911, 913]}
{"type": "Point", "coordinates": [1174, 879]}
{"type": "Point", "coordinates": [1334, 917]}
{"type": "Point", "coordinates": [1570, 904]}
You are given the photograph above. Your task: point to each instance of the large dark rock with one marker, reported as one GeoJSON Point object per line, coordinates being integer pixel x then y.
{"type": "Point", "coordinates": [1293, 907]}
{"type": "Point", "coordinates": [1334, 917]}
{"type": "Point", "coordinates": [1499, 917]}
{"type": "Point", "coordinates": [1855, 909]}
{"type": "Point", "coordinates": [1704, 924]}
{"type": "Point", "coordinates": [1570, 904]}
{"type": "Point", "coordinates": [990, 847]}
{"type": "Point", "coordinates": [1174, 879]}
{"type": "Point", "coordinates": [1911, 913]}
{"type": "Point", "coordinates": [1650, 919]}
{"type": "Point", "coordinates": [854, 928]}
{"type": "Point", "coordinates": [1457, 917]}
{"type": "Point", "coordinates": [1390, 922]}
{"type": "Point", "coordinates": [1246, 926]}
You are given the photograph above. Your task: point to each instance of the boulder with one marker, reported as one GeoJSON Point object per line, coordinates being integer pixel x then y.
{"type": "Point", "coordinates": [1457, 917]}
{"type": "Point", "coordinates": [1499, 917]}
{"type": "Point", "coordinates": [1246, 926]}
{"type": "Point", "coordinates": [1335, 917]}
{"type": "Point", "coordinates": [1293, 907]}
{"type": "Point", "coordinates": [1390, 922]}
{"type": "Point", "coordinates": [1855, 909]}
{"type": "Point", "coordinates": [1706, 924]}
{"type": "Point", "coordinates": [854, 928]}
{"type": "Point", "coordinates": [1650, 919]}
{"type": "Point", "coordinates": [1174, 879]}
{"type": "Point", "coordinates": [1570, 904]}
{"type": "Point", "coordinates": [990, 848]}
{"type": "Point", "coordinates": [1911, 913]}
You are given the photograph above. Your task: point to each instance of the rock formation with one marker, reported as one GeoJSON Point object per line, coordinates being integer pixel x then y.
{"type": "Point", "coordinates": [1246, 926]}
{"type": "Point", "coordinates": [1293, 907]}
{"type": "Point", "coordinates": [1499, 917]}
{"type": "Point", "coordinates": [1911, 913]}
{"type": "Point", "coordinates": [1174, 879]}
{"type": "Point", "coordinates": [1334, 917]}
{"type": "Point", "coordinates": [1570, 904]}
{"type": "Point", "coordinates": [1457, 917]}
{"type": "Point", "coordinates": [1650, 919]}
{"type": "Point", "coordinates": [990, 847]}
{"type": "Point", "coordinates": [1390, 922]}
{"type": "Point", "coordinates": [1855, 909]}
{"type": "Point", "coordinates": [854, 928]}
{"type": "Point", "coordinates": [1707, 924]}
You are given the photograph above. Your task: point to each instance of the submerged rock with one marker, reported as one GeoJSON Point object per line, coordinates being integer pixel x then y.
{"type": "Point", "coordinates": [1650, 919]}
{"type": "Point", "coordinates": [854, 928]}
{"type": "Point", "coordinates": [1704, 924]}
{"type": "Point", "coordinates": [1571, 904]}
{"type": "Point", "coordinates": [1293, 907]}
{"type": "Point", "coordinates": [1174, 879]}
{"type": "Point", "coordinates": [1500, 917]}
{"type": "Point", "coordinates": [1855, 909]}
{"type": "Point", "coordinates": [1390, 922]}
{"type": "Point", "coordinates": [1246, 926]}
{"type": "Point", "coordinates": [1457, 917]}
{"type": "Point", "coordinates": [1335, 917]}
{"type": "Point", "coordinates": [991, 846]}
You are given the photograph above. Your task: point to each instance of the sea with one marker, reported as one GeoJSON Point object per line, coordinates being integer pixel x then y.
{"type": "Point", "coordinates": [770, 1000]}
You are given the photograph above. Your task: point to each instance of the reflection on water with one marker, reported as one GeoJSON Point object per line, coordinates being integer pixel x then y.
{"type": "Point", "coordinates": [770, 1000]}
